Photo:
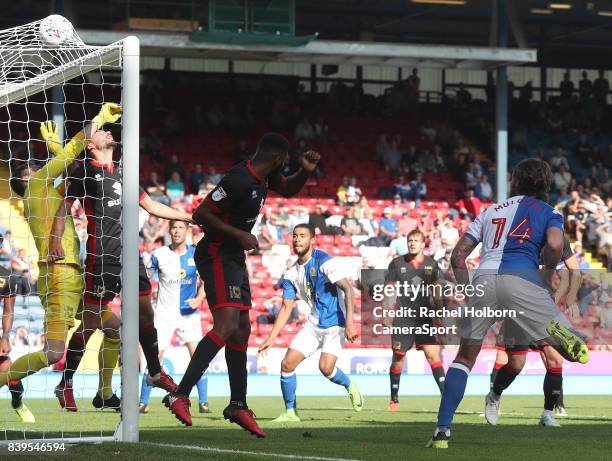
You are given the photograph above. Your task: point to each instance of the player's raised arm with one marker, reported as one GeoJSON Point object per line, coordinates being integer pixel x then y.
{"type": "Point", "coordinates": [162, 211]}
{"type": "Point", "coordinates": [290, 186]}
{"type": "Point", "coordinates": [281, 320]}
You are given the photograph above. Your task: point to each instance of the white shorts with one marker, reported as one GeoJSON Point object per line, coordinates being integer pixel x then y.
{"type": "Point", "coordinates": [188, 329]}
{"type": "Point", "coordinates": [312, 338]}
{"type": "Point", "coordinates": [532, 304]}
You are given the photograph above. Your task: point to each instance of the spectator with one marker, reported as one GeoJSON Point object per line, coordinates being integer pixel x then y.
{"type": "Point", "coordinates": [472, 175]}
{"type": "Point", "coordinates": [438, 159]}
{"type": "Point", "coordinates": [414, 84]}
{"type": "Point", "coordinates": [397, 208]}
{"type": "Point", "coordinates": [406, 223]}
{"type": "Point", "coordinates": [463, 96]}
{"type": "Point", "coordinates": [6, 251]}
{"type": "Point", "coordinates": [196, 179]}
{"type": "Point", "coordinates": [213, 177]}
{"type": "Point", "coordinates": [174, 166]}
{"type": "Point", "coordinates": [402, 188]}
{"type": "Point", "coordinates": [585, 87]}
{"type": "Point", "coordinates": [392, 158]}
{"type": "Point", "coordinates": [398, 246]}
{"type": "Point", "coordinates": [341, 193]}
{"type": "Point", "coordinates": [353, 192]}
{"type": "Point", "coordinates": [270, 309]}
{"type": "Point", "coordinates": [153, 230]}
{"type": "Point", "coordinates": [175, 187]}
{"type": "Point", "coordinates": [21, 270]}
{"type": "Point", "coordinates": [418, 189]}
{"type": "Point", "coordinates": [566, 88]}
{"type": "Point", "coordinates": [562, 178]}
{"type": "Point", "coordinates": [361, 207]}
{"type": "Point", "coordinates": [304, 130]}
{"type": "Point", "coordinates": [241, 153]}
{"type": "Point", "coordinates": [557, 159]}
{"type": "Point", "coordinates": [483, 189]}
{"type": "Point", "coordinates": [442, 249]}
{"type": "Point", "coordinates": [382, 146]}
{"type": "Point", "coordinates": [388, 226]}
{"type": "Point", "coordinates": [215, 116]}
{"type": "Point", "coordinates": [601, 87]}
{"type": "Point", "coordinates": [152, 145]}
{"type": "Point", "coordinates": [156, 189]}
{"type": "Point", "coordinates": [20, 338]}
{"type": "Point", "coordinates": [321, 130]}
{"type": "Point", "coordinates": [448, 231]}
{"type": "Point", "coordinates": [469, 206]}
{"type": "Point", "coordinates": [369, 224]}
{"type": "Point", "coordinates": [584, 151]}
{"type": "Point", "coordinates": [349, 224]}
{"type": "Point", "coordinates": [317, 219]}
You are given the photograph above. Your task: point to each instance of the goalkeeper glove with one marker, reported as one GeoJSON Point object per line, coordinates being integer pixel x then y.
{"type": "Point", "coordinates": [109, 113]}
{"type": "Point", "coordinates": [50, 134]}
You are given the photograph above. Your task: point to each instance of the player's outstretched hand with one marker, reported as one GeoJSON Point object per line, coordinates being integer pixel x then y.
{"type": "Point", "coordinates": [50, 134]}
{"type": "Point", "coordinates": [110, 112]}
{"type": "Point", "coordinates": [350, 332]}
{"type": "Point", "coordinates": [56, 251]}
{"type": "Point", "coordinates": [309, 159]}
{"type": "Point", "coordinates": [248, 241]}
{"type": "Point", "coordinates": [267, 344]}
{"type": "Point", "coordinates": [5, 345]}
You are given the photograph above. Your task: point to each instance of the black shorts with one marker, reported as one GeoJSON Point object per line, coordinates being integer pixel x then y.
{"type": "Point", "coordinates": [103, 282]}
{"type": "Point", "coordinates": [514, 340]}
{"type": "Point", "coordinates": [401, 343]}
{"type": "Point", "coordinates": [225, 277]}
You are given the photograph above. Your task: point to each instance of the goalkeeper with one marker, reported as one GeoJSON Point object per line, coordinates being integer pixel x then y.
{"type": "Point", "coordinates": [60, 283]}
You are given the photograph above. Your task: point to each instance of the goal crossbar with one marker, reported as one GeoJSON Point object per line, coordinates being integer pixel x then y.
{"type": "Point", "coordinates": [102, 56]}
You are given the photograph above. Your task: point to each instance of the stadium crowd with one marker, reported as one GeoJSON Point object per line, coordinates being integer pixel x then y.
{"type": "Point", "coordinates": [437, 176]}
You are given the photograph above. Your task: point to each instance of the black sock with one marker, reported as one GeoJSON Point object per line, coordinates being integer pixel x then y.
{"type": "Point", "coordinates": [202, 356]}
{"type": "Point", "coordinates": [438, 373]}
{"type": "Point", "coordinates": [16, 389]}
{"type": "Point", "coordinates": [494, 372]}
{"type": "Point", "coordinates": [76, 348]}
{"type": "Point", "coordinates": [560, 399]}
{"type": "Point", "coordinates": [148, 343]}
{"type": "Point", "coordinates": [236, 358]}
{"type": "Point", "coordinates": [394, 377]}
{"type": "Point", "coordinates": [505, 377]}
{"type": "Point", "coordinates": [553, 381]}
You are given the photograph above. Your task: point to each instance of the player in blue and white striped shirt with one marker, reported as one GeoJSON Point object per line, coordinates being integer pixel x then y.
{"type": "Point", "coordinates": [179, 296]}
{"type": "Point", "coordinates": [319, 282]}
{"type": "Point", "coordinates": [513, 234]}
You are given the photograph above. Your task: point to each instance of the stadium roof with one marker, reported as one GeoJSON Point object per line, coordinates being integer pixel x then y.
{"type": "Point", "coordinates": [324, 51]}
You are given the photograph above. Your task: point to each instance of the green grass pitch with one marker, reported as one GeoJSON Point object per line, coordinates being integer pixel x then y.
{"type": "Point", "coordinates": [331, 430]}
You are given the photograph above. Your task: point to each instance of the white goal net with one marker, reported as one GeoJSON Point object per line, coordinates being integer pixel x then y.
{"type": "Point", "coordinates": [47, 73]}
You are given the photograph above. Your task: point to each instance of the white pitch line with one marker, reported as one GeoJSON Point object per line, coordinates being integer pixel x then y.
{"type": "Point", "coordinates": [246, 453]}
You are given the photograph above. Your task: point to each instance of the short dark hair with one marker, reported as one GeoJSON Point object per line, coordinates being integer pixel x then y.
{"type": "Point", "coordinates": [532, 177]}
{"type": "Point", "coordinates": [173, 221]}
{"type": "Point", "coordinates": [272, 144]}
{"type": "Point", "coordinates": [416, 232]}
{"type": "Point", "coordinates": [305, 225]}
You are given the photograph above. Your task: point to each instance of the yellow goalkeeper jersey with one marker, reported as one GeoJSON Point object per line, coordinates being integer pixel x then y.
{"type": "Point", "coordinates": [42, 200]}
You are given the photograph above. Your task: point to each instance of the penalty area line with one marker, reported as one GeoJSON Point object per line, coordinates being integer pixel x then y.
{"type": "Point", "coordinates": [246, 453]}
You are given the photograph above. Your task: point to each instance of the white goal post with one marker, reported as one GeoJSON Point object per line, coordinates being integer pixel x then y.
{"type": "Point", "coordinates": [30, 66]}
